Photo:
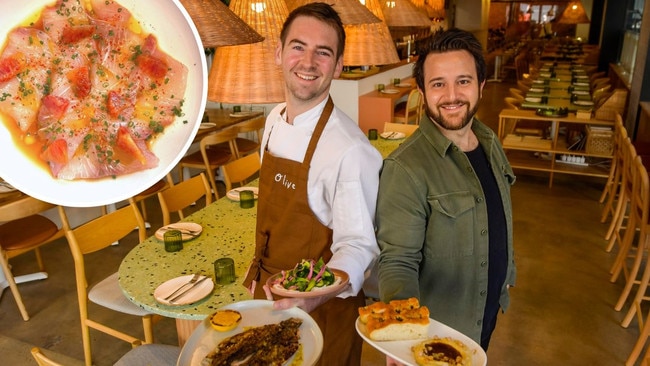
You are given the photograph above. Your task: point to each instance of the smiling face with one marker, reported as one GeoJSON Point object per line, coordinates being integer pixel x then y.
{"type": "Point", "coordinates": [451, 89]}
{"type": "Point", "coordinates": [309, 62]}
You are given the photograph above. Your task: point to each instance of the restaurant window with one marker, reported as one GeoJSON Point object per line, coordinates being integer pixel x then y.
{"type": "Point", "coordinates": [631, 35]}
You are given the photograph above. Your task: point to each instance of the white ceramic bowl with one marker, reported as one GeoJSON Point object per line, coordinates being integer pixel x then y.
{"type": "Point", "coordinates": [178, 37]}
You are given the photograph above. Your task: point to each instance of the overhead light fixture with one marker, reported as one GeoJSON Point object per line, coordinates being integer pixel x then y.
{"type": "Point", "coordinates": [574, 13]}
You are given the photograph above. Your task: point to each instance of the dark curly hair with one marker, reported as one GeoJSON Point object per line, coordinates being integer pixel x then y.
{"type": "Point", "coordinates": [450, 40]}
{"type": "Point", "coordinates": [322, 12]}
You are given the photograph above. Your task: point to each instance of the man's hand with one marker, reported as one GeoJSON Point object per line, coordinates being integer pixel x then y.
{"type": "Point", "coordinates": [306, 304]}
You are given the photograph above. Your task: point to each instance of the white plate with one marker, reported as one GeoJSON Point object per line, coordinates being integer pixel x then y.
{"type": "Point", "coordinates": [254, 313]}
{"type": "Point", "coordinates": [401, 350]}
{"type": "Point", "coordinates": [197, 293]}
{"type": "Point", "coordinates": [389, 135]}
{"type": "Point", "coordinates": [403, 85]}
{"type": "Point", "coordinates": [580, 92]}
{"type": "Point", "coordinates": [538, 81]}
{"type": "Point", "coordinates": [184, 227]}
{"type": "Point", "coordinates": [206, 125]}
{"type": "Point", "coordinates": [233, 194]}
{"type": "Point", "coordinates": [390, 91]}
{"type": "Point", "coordinates": [177, 36]}
{"type": "Point", "coordinates": [534, 99]}
{"type": "Point", "coordinates": [342, 279]}
{"type": "Point", "coordinates": [581, 84]}
{"type": "Point", "coordinates": [536, 90]}
{"type": "Point", "coordinates": [583, 103]}
{"type": "Point", "coordinates": [582, 77]}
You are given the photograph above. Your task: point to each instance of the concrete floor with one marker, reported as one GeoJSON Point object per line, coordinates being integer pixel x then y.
{"type": "Point", "coordinates": [561, 312]}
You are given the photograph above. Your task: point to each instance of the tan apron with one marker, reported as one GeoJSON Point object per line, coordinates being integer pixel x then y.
{"type": "Point", "coordinates": [288, 231]}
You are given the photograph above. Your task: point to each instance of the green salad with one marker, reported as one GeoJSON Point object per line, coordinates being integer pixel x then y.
{"type": "Point", "coordinates": [306, 275]}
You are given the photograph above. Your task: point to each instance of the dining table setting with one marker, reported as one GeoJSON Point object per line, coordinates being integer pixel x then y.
{"type": "Point", "coordinates": [559, 87]}
{"type": "Point", "coordinates": [188, 284]}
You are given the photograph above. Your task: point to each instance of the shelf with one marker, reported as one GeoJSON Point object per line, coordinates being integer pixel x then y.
{"type": "Point", "coordinates": [535, 153]}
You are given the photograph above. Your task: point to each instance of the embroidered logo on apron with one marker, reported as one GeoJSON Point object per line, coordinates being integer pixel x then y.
{"type": "Point", "coordinates": [282, 179]}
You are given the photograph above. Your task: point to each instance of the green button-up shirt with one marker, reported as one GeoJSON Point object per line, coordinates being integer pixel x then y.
{"type": "Point", "coordinates": [432, 223]}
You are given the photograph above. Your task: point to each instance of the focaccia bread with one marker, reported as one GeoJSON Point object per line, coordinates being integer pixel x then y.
{"type": "Point", "coordinates": [395, 321]}
{"type": "Point", "coordinates": [442, 352]}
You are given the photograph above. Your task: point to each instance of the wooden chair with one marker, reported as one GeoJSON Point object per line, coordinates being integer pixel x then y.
{"type": "Point", "coordinates": [183, 194]}
{"type": "Point", "coordinates": [43, 360]}
{"type": "Point", "coordinates": [617, 226]}
{"type": "Point", "coordinates": [246, 146]}
{"type": "Point", "coordinates": [516, 93]}
{"type": "Point", "coordinates": [139, 355]}
{"type": "Point", "coordinates": [151, 192]}
{"type": "Point", "coordinates": [400, 127]}
{"type": "Point", "coordinates": [637, 224]}
{"type": "Point", "coordinates": [409, 112]}
{"type": "Point", "coordinates": [212, 155]}
{"type": "Point", "coordinates": [613, 184]}
{"type": "Point", "coordinates": [240, 171]}
{"type": "Point", "coordinates": [524, 85]}
{"type": "Point", "coordinates": [512, 102]}
{"type": "Point", "coordinates": [24, 230]}
{"type": "Point", "coordinates": [640, 344]}
{"type": "Point", "coordinates": [91, 237]}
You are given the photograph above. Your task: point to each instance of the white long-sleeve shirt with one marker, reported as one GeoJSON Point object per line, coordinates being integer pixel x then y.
{"type": "Point", "coordinates": [342, 184]}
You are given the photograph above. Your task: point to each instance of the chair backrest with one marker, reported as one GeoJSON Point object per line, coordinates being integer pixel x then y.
{"type": "Point", "coordinates": [226, 136]}
{"type": "Point", "coordinates": [23, 207]}
{"type": "Point", "coordinates": [400, 127]}
{"type": "Point", "coordinates": [255, 125]}
{"type": "Point", "coordinates": [43, 360]}
{"type": "Point", "coordinates": [103, 231]}
{"type": "Point", "coordinates": [241, 170]}
{"type": "Point", "coordinates": [413, 108]}
{"type": "Point", "coordinates": [181, 195]}
{"type": "Point", "coordinates": [512, 103]}
{"type": "Point", "coordinates": [516, 93]}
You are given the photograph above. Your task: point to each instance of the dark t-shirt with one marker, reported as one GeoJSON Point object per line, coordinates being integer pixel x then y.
{"type": "Point", "coordinates": [498, 252]}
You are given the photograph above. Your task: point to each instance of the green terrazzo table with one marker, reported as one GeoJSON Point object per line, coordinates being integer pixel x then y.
{"type": "Point", "coordinates": [228, 231]}
{"type": "Point", "coordinates": [385, 147]}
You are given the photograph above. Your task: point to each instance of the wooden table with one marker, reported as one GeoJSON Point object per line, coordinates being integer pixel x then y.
{"type": "Point", "coordinates": [228, 231]}
{"type": "Point", "coordinates": [376, 108]}
{"type": "Point", "coordinates": [224, 118]}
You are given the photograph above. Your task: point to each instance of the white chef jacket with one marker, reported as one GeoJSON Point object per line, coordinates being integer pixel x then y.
{"type": "Point", "coordinates": [342, 184]}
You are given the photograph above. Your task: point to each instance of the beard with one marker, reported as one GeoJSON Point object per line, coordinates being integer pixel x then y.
{"type": "Point", "coordinates": [437, 117]}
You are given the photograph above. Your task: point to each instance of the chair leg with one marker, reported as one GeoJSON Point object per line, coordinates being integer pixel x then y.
{"type": "Point", "coordinates": [12, 285]}
{"type": "Point", "coordinates": [85, 337]}
{"type": "Point", "coordinates": [39, 260]}
{"type": "Point", "coordinates": [147, 325]}
{"type": "Point", "coordinates": [643, 286]}
{"type": "Point", "coordinates": [617, 221]}
{"type": "Point", "coordinates": [640, 343]}
{"type": "Point", "coordinates": [624, 250]}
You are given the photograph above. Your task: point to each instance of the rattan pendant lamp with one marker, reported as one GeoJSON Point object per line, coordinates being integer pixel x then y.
{"type": "Point", "coordinates": [219, 26]}
{"type": "Point", "coordinates": [403, 13]}
{"type": "Point", "coordinates": [369, 44]}
{"type": "Point", "coordinates": [352, 12]}
{"type": "Point", "coordinates": [247, 73]}
{"type": "Point", "coordinates": [574, 13]}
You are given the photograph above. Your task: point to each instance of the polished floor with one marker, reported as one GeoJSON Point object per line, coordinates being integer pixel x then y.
{"type": "Point", "coordinates": [562, 309]}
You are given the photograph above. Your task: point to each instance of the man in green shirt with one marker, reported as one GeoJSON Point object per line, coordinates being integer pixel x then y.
{"type": "Point", "coordinates": [444, 213]}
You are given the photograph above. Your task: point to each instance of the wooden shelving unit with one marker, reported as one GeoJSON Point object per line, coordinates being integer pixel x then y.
{"type": "Point", "coordinates": [545, 154]}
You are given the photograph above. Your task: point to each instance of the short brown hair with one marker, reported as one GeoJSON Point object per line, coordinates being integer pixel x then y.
{"type": "Point", "coordinates": [446, 41]}
{"type": "Point", "coordinates": [323, 12]}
